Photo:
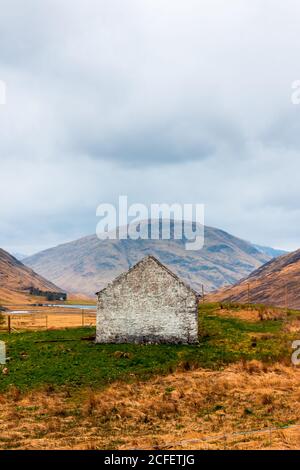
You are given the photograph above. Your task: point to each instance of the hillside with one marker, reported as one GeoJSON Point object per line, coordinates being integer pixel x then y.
{"type": "Point", "coordinates": [276, 283]}
{"type": "Point", "coordinates": [88, 264]}
{"type": "Point", "coordinates": [15, 278]}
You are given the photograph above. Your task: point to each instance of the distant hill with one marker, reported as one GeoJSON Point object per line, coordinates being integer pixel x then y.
{"type": "Point", "coordinates": [269, 284]}
{"type": "Point", "coordinates": [272, 252]}
{"type": "Point", "coordinates": [19, 256]}
{"type": "Point", "coordinates": [88, 264]}
{"type": "Point", "coordinates": [15, 279]}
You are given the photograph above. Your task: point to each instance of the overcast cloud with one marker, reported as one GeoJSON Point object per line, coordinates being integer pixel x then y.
{"type": "Point", "coordinates": [160, 100]}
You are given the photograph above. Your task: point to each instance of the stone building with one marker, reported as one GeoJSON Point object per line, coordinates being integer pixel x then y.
{"type": "Point", "coordinates": [147, 304]}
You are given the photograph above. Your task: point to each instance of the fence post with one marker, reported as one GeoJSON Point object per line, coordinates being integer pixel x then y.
{"type": "Point", "coordinates": [82, 319]}
{"type": "Point", "coordinates": [225, 441]}
{"type": "Point", "coordinates": [46, 322]}
{"type": "Point", "coordinates": [248, 295]}
{"type": "Point", "coordinates": [9, 324]}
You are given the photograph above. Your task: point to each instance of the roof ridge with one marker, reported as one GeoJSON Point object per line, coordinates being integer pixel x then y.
{"type": "Point", "coordinates": [157, 261]}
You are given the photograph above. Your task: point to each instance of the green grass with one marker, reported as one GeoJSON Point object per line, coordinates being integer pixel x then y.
{"type": "Point", "coordinates": [225, 340]}
{"type": "Point", "coordinates": [36, 362]}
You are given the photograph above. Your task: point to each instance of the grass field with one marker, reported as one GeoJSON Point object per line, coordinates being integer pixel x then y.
{"type": "Point", "coordinates": [61, 390]}
{"type": "Point", "coordinates": [62, 357]}
{"type": "Point", "coordinates": [47, 319]}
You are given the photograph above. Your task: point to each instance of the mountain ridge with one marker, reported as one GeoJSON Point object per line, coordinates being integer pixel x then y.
{"type": "Point", "coordinates": [275, 283]}
{"type": "Point", "coordinates": [16, 279]}
{"type": "Point", "coordinates": [87, 264]}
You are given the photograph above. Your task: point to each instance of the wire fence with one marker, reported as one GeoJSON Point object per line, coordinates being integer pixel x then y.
{"type": "Point", "coordinates": [47, 320]}
{"type": "Point", "coordinates": [227, 437]}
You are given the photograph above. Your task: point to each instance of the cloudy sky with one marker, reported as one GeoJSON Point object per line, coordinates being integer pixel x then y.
{"type": "Point", "coordinates": [161, 100]}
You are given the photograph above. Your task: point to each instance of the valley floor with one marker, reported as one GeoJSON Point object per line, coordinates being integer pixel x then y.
{"type": "Point", "coordinates": [59, 390]}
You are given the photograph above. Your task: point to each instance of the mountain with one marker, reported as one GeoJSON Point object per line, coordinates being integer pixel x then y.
{"type": "Point", "coordinates": [16, 279]}
{"type": "Point", "coordinates": [276, 283]}
{"type": "Point", "coordinates": [88, 264]}
{"type": "Point", "coordinates": [19, 256]}
{"type": "Point", "coordinates": [272, 252]}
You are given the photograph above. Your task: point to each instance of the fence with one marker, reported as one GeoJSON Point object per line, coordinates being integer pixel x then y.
{"type": "Point", "coordinates": [47, 320]}
{"type": "Point", "coordinates": [228, 438]}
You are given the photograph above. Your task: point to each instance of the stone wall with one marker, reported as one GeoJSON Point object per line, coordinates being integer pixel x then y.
{"type": "Point", "coordinates": [147, 305]}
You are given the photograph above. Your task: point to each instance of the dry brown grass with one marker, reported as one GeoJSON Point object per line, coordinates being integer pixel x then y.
{"type": "Point", "coordinates": [243, 314]}
{"type": "Point", "coordinates": [49, 320]}
{"type": "Point", "coordinates": [292, 326]}
{"type": "Point", "coordinates": [11, 297]}
{"type": "Point", "coordinates": [175, 412]}
{"type": "Point", "coordinates": [252, 314]}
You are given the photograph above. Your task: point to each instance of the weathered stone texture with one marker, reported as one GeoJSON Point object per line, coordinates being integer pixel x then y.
{"type": "Point", "coordinates": [148, 304]}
